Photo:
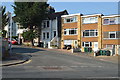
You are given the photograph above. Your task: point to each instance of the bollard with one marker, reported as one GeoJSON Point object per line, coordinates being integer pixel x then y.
{"type": "Point", "coordinates": [94, 54]}
{"type": "Point", "coordinates": [72, 50]}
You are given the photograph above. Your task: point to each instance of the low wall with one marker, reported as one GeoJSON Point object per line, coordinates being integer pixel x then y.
{"type": "Point", "coordinates": [5, 48]}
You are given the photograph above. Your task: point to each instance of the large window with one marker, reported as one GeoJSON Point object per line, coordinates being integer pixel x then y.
{"type": "Point", "coordinates": [109, 21]}
{"type": "Point", "coordinates": [90, 33]}
{"type": "Point", "coordinates": [47, 35]}
{"type": "Point", "coordinates": [86, 44]}
{"type": "Point", "coordinates": [70, 19]}
{"type": "Point", "coordinates": [43, 35]}
{"type": "Point", "coordinates": [111, 35]}
{"type": "Point", "coordinates": [45, 23]}
{"type": "Point", "coordinates": [72, 31]}
{"type": "Point", "coordinates": [90, 20]}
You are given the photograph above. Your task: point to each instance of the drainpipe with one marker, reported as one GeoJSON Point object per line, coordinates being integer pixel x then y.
{"type": "Point", "coordinates": [57, 31]}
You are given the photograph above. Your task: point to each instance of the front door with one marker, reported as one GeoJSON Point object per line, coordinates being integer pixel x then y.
{"type": "Point", "coordinates": [95, 46]}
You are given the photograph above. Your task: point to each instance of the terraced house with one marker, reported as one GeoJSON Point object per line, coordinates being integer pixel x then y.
{"type": "Point", "coordinates": [111, 33]}
{"type": "Point", "coordinates": [91, 32]}
{"type": "Point", "coordinates": [71, 30]}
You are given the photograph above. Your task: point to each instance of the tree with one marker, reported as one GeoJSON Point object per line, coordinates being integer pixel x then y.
{"type": "Point", "coordinates": [4, 20]}
{"type": "Point", "coordinates": [29, 35]}
{"type": "Point", "coordinates": [31, 14]}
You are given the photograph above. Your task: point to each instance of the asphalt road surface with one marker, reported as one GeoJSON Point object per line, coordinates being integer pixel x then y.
{"type": "Point", "coordinates": [57, 64]}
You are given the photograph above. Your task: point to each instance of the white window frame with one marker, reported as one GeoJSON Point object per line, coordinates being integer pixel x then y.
{"type": "Point", "coordinates": [72, 19]}
{"type": "Point", "coordinates": [47, 35]}
{"type": "Point", "coordinates": [87, 43]}
{"type": "Point", "coordinates": [45, 23]}
{"type": "Point", "coordinates": [43, 36]}
{"type": "Point", "coordinates": [108, 47]}
{"type": "Point", "coordinates": [67, 31]}
{"type": "Point", "coordinates": [117, 21]}
{"type": "Point", "coordinates": [90, 32]}
{"type": "Point", "coordinates": [88, 20]}
{"type": "Point", "coordinates": [112, 33]}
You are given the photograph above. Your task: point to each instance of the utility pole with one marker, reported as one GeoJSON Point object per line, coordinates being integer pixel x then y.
{"type": "Point", "coordinates": [10, 33]}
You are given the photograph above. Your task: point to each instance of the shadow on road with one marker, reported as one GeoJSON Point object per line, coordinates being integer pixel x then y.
{"type": "Point", "coordinates": [25, 50]}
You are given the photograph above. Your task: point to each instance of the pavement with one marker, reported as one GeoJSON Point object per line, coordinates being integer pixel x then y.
{"type": "Point", "coordinates": [113, 59]}
{"type": "Point", "coordinates": [14, 59]}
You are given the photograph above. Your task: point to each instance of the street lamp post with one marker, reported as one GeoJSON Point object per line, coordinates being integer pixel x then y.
{"type": "Point", "coordinates": [10, 33]}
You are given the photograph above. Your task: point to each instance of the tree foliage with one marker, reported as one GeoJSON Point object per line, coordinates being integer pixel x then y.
{"type": "Point", "coordinates": [31, 14]}
{"type": "Point", "coordinates": [29, 35]}
{"type": "Point", "coordinates": [4, 17]}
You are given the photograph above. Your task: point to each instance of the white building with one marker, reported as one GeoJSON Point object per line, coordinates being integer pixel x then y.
{"type": "Point", "coordinates": [51, 30]}
{"type": "Point", "coordinates": [13, 27]}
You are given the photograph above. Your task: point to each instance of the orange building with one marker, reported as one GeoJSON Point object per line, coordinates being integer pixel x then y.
{"type": "Point", "coordinates": [71, 30]}
{"type": "Point", "coordinates": [91, 32]}
{"type": "Point", "coordinates": [111, 33]}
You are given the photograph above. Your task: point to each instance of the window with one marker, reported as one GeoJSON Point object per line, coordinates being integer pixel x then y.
{"type": "Point", "coordinates": [54, 33]}
{"type": "Point", "coordinates": [89, 20]}
{"type": "Point", "coordinates": [47, 35]}
{"type": "Point", "coordinates": [45, 24]}
{"type": "Point", "coordinates": [108, 21]}
{"type": "Point", "coordinates": [70, 19]}
{"type": "Point", "coordinates": [86, 44]}
{"type": "Point", "coordinates": [72, 31]}
{"type": "Point", "coordinates": [90, 33]}
{"type": "Point", "coordinates": [111, 35]}
{"type": "Point", "coordinates": [43, 35]}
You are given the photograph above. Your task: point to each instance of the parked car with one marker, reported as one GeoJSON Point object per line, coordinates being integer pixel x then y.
{"type": "Point", "coordinates": [13, 41]}
{"type": "Point", "coordinates": [68, 47]}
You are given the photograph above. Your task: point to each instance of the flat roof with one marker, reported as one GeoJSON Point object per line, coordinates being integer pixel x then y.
{"type": "Point", "coordinates": [70, 15]}
{"type": "Point", "coordinates": [111, 16]}
{"type": "Point", "coordinates": [91, 15]}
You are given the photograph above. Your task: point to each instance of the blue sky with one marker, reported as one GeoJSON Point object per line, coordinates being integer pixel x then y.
{"type": "Point", "coordinates": [106, 8]}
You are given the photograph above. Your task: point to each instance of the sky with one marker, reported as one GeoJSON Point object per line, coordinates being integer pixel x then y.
{"type": "Point", "coordinates": [106, 8]}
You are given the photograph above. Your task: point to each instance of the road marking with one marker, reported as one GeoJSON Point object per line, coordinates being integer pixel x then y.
{"type": "Point", "coordinates": [21, 63]}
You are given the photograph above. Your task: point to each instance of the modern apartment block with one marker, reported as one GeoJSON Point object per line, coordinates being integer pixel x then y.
{"type": "Point", "coordinates": [93, 32]}
{"type": "Point", "coordinates": [111, 33]}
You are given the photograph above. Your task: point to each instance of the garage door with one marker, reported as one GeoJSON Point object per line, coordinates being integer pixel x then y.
{"type": "Point", "coordinates": [67, 42]}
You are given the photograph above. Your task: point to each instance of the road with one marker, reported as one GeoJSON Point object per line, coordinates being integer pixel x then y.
{"type": "Point", "coordinates": [57, 64]}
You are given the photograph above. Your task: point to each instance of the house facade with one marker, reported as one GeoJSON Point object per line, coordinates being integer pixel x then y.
{"type": "Point", "coordinates": [11, 26]}
{"type": "Point", "coordinates": [51, 30]}
{"type": "Point", "coordinates": [71, 30]}
{"type": "Point", "coordinates": [111, 33]}
{"type": "Point", "coordinates": [91, 32]}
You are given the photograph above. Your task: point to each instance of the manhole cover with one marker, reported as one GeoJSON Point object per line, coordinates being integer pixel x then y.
{"type": "Point", "coordinates": [52, 68]}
